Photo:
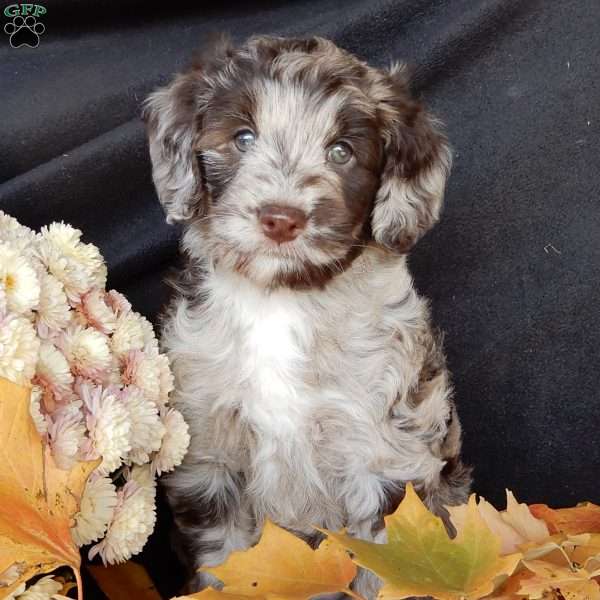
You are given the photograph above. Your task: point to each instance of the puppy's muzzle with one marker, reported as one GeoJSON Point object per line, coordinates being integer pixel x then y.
{"type": "Point", "coordinates": [281, 223]}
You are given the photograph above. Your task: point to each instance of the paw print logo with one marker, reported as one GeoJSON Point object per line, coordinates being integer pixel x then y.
{"type": "Point", "coordinates": [24, 31]}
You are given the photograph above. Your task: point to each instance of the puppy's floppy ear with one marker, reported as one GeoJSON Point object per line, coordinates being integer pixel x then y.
{"type": "Point", "coordinates": [416, 164]}
{"type": "Point", "coordinates": [173, 116]}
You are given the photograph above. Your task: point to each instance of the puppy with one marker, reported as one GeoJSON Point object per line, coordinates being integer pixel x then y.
{"type": "Point", "coordinates": [305, 362]}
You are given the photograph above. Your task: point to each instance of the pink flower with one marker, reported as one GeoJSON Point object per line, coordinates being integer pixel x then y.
{"type": "Point", "coordinates": [66, 434]}
{"type": "Point", "coordinates": [118, 302]}
{"type": "Point", "coordinates": [149, 371]}
{"type": "Point", "coordinates": [87, 351]}
{"type": "Point", "coordinates": [97, 312]}
{"type": "Point", "coordinates": [108, 423]}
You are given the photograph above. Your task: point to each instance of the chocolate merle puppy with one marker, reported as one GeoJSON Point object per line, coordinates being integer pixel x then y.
{"type": "Point", "coordinates": [305, 362]}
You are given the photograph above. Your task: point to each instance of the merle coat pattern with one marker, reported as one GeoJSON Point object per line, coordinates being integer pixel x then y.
{"type": "Point", "coordinates": [307, 369]}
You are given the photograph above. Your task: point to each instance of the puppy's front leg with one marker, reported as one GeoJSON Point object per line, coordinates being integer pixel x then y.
{"type": "Point", "coordinates": [212, 517]}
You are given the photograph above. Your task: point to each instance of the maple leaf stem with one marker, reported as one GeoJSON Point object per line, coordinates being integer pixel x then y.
{"type": "Point", "coordinates": [79, 584]}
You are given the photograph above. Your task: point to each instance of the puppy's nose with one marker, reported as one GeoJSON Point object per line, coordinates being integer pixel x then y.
{"type": "Point", "coordinates": [281, 223]}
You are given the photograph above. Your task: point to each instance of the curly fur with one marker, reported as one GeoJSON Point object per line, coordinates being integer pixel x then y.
{"type": "Point", "coordinates": [310, 376]}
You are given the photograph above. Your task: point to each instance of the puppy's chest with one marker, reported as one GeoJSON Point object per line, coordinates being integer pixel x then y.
{"type": "Point", "coordinates": [273, 362]}
{"type": "Point", "coordinates": [289, 373]}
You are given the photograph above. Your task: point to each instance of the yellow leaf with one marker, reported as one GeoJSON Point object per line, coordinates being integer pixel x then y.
{"type": "Point", "coordinates": [572, 583]}
{"type": "Point", "coordinates": [584, 518]}
{"type": "Point", "coordinates": [419, 559]}
{"type": "Point", "coordinates": [561, 550]}
{"type": "Point", "coordinates": [520, 518]}
{"type": "Point", "coordinates": [212, 594]}
{"type": "Point", "coordinates": [37, 500]}
{"type": "Point", "coordinates": [124, 582]}
{"type": "Point", "coordinates": [282, 566]}
{"type": "Point", "coordinates": [511, 539]}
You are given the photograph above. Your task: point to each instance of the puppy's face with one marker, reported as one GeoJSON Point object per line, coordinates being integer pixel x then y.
{"type": "Point", "coordinates": [290, 156]}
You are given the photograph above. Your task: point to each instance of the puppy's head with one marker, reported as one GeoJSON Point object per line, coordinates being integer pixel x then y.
{"type": "Point", "coordinates": [289, 156]}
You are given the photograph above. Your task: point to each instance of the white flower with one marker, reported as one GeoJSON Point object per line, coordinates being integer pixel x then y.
{"type": "Point", "coordinates": [147, 429]}
{"type": "Point", "coordinates": [118, 302]}
{"type": "Point", "coordinates": [21, 238]}
{"type": "Point", "coordinates": [150, 341]}
{"type": "Point", "coordinates": [113, 376]}
{"type": "Point", "coordinates": [78, 266]}
{"type": "Point", "coordinates": [16, 593]}
{"type": "Point", "coordinates": [53, 309]}
{"type": "Point", "coordinates": [19, 348]}
{"type": "Point", "coordinates": [10, 227]}
{"type": "Point", "coordinates": [87, 351]}
{"type": "Point", "coordinates": [109, 426]}
{"type": "Point", "coordinates": [131, 526]}
{"type": "Point", "coordinates": [175, 442]}
{"type": "Point", "coordinates": [166, 378]}
{"type": "Point", "coordinates": [35, 411]}
{"type": "Point", "coordinates": [53, 375]}
{"type": "Point", "coordinates": [98, 314]}
{"type": "Point", "coordinates": [142, 370]}
{"type": "Point", "coordinates": [150, 372]}
{"type": "Point", "coordinates": [66, 435]}
{"type": "Point", "coordinates": [19, 281]}
{"type": "Point", "coordinates": [96, 510]}
{"type": "Point", "coordinates": [45, 588]}
{"type": "Point", "coordinates": [133, 332]}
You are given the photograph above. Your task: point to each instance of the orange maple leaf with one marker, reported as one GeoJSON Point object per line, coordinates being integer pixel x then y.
{"type": "Point", "coordinates": [584, 518]}
{"type": "Point", "coordinates": [281, 566]}
{"type": "Point", "coordinates": [37, 499]}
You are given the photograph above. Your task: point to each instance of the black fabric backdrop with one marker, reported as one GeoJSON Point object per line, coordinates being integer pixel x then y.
{"type": "Point", "coordinates": [513, 270]}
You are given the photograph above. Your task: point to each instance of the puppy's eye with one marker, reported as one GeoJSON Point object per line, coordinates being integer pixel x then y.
{"type": "Point", "coordinates": [244, 140]}
{"type": "Point", "coordinates": [339, 153]}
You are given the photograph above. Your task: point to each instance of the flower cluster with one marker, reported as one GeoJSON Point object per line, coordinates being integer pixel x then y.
{"type": "Point", "coordinates": [99, 385]}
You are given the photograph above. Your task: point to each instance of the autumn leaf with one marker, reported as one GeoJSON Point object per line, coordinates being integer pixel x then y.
{"type": "Point", "coordinates": [584, 518]}
{"type": "Point", "coordinates": [510, 588]}
{"type": "Point", "coordinates": [520, 518]}
{"type": "Point", "coordinates": [559, 568]}
{"type": "Point", "coordinates": [419, 558]}
{"type": "Point", "coordinates": [37, 500]}
{"type": "Point", "coordinates": [571, 582]}
{"type": "Point", "coordinates": [514, 526]}
{"type": "Point", "coordinates": [282, 566]}
{"type": "Point", "coordinates": [212, 594]}
{"type": "Point", "coordinates": [124, 581]}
